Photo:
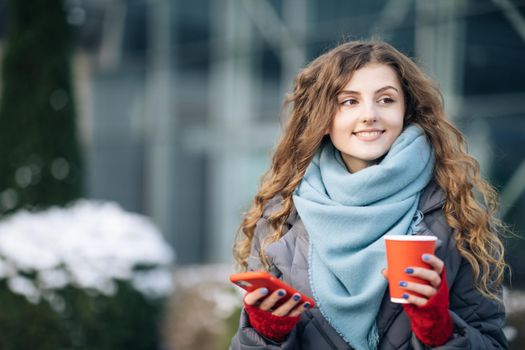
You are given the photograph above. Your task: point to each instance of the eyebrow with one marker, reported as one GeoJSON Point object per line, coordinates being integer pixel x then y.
{"type": "Point", "coordinates": [377, 91]}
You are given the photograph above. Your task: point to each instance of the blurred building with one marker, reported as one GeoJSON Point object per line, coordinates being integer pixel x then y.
{"type": "Point", "coordinates": [180, 101]}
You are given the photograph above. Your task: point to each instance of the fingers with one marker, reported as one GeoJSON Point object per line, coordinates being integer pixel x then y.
{"type": "Point", "coordinates": [384, 272]}
{"type": "Point", "coordinates": [253, 297]}
{"type": "Point", "coordinates": [425, 274]}
{"type": "Point", "coordinates": [436, 263]}
{"type": "Point", "coordinates": [412, 299]}
{"type": "Point", "coordinates": [287, 306]}
{"type": "Point", "coordinates": [433, 276]}
{"type": "Point", "coordinates": [301, 308]}
{"type": "Point", "coordinates": [269, 302]}
{"type": "Point", "coordinates": [425, 290]}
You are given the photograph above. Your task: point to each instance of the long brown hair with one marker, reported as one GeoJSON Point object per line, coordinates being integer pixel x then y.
{"type": "Point", "coordinates": [313, 105]}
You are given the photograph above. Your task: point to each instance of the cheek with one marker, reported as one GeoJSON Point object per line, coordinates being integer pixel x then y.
{"type": "Point", "coordinates": [396, 131]}
{"type": "Point", "coordinates": [396, 120]}
{"type": "Point", "coordinates": [399, 127]}
{"type": "Point", "coordinates": [342, 122]}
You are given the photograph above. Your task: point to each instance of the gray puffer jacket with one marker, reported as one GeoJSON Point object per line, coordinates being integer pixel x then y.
{"type": "Point", "coordinates": [478, 321]}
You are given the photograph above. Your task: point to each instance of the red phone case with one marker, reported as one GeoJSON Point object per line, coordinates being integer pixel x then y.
{"type": "Point", "coordinates": [253, 280]}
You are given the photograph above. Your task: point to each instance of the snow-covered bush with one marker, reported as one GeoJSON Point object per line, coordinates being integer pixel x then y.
{"type": "Point", "coordinates": [95, 274]}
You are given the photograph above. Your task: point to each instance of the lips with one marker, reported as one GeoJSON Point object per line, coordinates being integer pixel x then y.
{"type": "Point", "coordinates": [368, 135]}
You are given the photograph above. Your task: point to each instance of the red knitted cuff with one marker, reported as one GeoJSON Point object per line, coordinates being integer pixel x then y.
{"type": "Point", "coordinates": [268, 325]}
{"type": "Point", "coordinates": [432, 323]}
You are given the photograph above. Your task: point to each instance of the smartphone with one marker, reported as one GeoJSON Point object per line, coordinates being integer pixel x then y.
{"type": "Point", "coordinates": [253, 280]}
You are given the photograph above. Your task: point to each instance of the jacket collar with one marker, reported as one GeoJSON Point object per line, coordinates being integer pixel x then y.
{"type": "Point", "coordinates": [432, 198]}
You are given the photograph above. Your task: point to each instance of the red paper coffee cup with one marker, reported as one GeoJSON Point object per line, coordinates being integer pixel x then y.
{"type": "Point", "coordinates": [403, 252]}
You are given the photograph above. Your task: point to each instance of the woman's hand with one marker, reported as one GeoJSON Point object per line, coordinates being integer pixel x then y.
{"type": "Point", "coordinates": [429, 316]}
{"type": "Point", "coordinates": [265, 302]}
{"type": "Point", "coordinates": [431, 275]}
{"type": "Point", "coordinates": [271, 318]}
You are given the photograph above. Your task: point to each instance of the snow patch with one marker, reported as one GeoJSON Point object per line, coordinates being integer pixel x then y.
{"type": "Point", "coordinates": [88, 245]}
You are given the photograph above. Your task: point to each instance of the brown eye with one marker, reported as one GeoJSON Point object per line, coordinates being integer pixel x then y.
{"type": "Point", "coordinates": [349, 101]}
{"type": "Point", "coordinates": [386, 100]}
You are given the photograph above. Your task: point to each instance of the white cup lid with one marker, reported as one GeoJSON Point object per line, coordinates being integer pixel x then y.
{"type": "Point", "coordinates": [411, 238]}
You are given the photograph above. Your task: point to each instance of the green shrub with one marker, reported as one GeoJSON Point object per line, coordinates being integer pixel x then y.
{"type": "Point", "coordinates": [126, 320]}
{"type": "Point", "coordinates": [90, 277]}
{"type": "Point", "coordinates": [40, 154]}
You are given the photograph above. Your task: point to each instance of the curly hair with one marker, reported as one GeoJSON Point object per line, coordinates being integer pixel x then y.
{"type": "Point", "coordinates": [313, 105]}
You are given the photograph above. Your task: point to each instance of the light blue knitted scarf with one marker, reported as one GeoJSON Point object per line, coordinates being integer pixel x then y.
{"type": "Point", "coordinates": [346, 216]}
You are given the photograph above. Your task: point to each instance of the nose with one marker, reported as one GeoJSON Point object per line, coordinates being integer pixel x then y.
{"type": "Point", "coordinates": [369, 113]}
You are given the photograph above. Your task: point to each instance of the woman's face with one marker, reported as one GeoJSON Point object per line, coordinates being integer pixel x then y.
{"type": "Point", "coordinates": [370, 116]}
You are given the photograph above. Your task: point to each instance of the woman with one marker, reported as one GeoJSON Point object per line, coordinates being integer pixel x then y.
{"type": "Point", "coordinates": [368, 152]}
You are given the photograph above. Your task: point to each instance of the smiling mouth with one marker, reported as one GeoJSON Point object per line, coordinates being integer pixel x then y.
{"type": "Point", "coordinates": [370, 135]}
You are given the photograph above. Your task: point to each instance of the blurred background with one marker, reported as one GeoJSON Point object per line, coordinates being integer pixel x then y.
{"type": "Point", "coordinates": [171, 108]}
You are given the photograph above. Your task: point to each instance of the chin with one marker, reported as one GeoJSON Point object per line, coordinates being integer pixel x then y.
{"type": "Point", "coordinates": [374, 158]}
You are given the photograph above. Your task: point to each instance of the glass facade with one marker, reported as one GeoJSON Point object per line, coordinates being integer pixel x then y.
{"type": "Point", "coordinates": [180, 102]}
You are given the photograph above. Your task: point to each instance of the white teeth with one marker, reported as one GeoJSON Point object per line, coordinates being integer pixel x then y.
{"type": "Point", "coordinates": [369, 133]}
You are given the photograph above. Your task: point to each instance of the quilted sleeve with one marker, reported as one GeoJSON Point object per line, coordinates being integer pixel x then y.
{"type": "Point", "coordinates": [477, 321]}
{"type": "Point", "coordinates": [247, 338]}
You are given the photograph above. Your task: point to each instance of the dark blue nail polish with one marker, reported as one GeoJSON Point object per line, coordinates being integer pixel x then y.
{"type": "Point", "coordinates": [405, 296]}
{"type": "Point", "coordinates": [296, 297]}
{"type": "Point", "coordinates": [306, 305]}
{"type": "Point", "coordinates": [263, 291]}
{"type": "Point", "coordinates": [403, 284]}
{"type": "Point", "coordinates": [409, 270]}
{"type": "Point", "coordinates": [426, 257]}
{"type": "Point", "coordinates": [281, 293]}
